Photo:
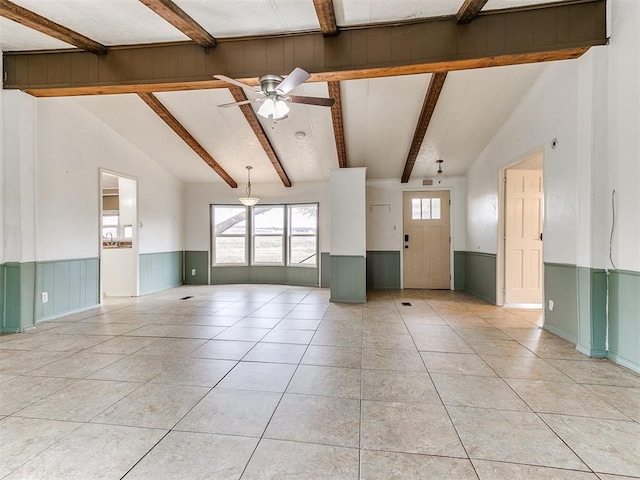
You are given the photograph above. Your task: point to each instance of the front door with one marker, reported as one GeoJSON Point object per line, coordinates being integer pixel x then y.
{"type": "Point", "coordinates": [426, 240]}
{"type": "Point", "coordinates": [523, 237]}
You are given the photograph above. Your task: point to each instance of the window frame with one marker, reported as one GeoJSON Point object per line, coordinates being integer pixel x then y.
{"type": "Point", "coordinates": [213, 236]}
{"type": "Point", "coordinates": [290, 235]}
{"type": "Point", "coordinates": [283, 235]}
{"type": "Point", "coordinates": [250, 236]}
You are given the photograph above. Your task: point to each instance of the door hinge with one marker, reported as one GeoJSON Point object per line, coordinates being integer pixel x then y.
{"type": "Point", "coordinates": [449, 239]}
{"type": "Point", "coordinates": [449, 201]}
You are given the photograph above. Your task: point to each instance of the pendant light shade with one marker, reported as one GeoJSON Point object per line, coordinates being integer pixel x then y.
{"type": "Point", "coordinates": [440, 172]}
{"type": "Point", "coordinates": [249, 201]}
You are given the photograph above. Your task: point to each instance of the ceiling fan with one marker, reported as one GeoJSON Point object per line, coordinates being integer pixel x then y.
{"type": "Point", "coordinates": [273, 92]}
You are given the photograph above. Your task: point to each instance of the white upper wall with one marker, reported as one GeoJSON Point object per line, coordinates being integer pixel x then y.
{"type": "Point", "coordinates": [72, 146]}
{"type": "Point", "coordinates": [348, 211]}
{"type": "Point", "coordinates": [2, 143]}
{"type": "Point", "coordinates": [591, 105]}
{"type": "Point", "coordinates": [623, 145]}
{"type": "Point", "coordinates": [548, 111]}
{"type": "Point", "coordinates": [384, 211]}
{"type": "Point", "coordinates": [19, 177]}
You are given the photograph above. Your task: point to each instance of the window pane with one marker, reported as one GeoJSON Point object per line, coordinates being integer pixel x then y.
{"type": "Point", "coordinates": [110, 220]}
{"type": "Point", "coordinates": [267, 250]}
{"type": "Point", "coordinates": [229, 221]}
{"type": "Point", "coordinates": [268, 220]}
{"type": "Point", "coordinates": [230, 250]}
{"type": "Point", "coordinates": [426, 208]}
{"type": "Point", "coordinates": [435, 208]}
{"type": "Point", "coordinates": [303, 219]}
{"type": "Point", "coordinates": [110, 233]}
{"type": "Point", "coordinates": [415, 209]}
{"type": "Point", "coordinates": [303, 251]}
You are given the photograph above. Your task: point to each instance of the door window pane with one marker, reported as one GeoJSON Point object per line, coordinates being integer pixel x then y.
{"type": "Point", "coordinates": [426, 208]}
{"type": "Point", "coordinates": [416, 209]}
{"type": "Point", "coordinates": [435, 208]}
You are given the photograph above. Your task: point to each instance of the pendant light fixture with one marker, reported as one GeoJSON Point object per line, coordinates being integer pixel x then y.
{"type": "Point", "coordinates": [440, 172]}
{"type": "Point", "coordinates": [249, 201]}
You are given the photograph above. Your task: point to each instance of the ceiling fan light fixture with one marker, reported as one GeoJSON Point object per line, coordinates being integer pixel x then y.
{"type": "Point", "coordinates": [248, 201]}
{"type": "Point", "coordinates": [274, 108]}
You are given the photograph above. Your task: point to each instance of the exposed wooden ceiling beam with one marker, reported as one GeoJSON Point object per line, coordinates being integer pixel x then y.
{"type": "Point", "coordinates": [44, 25]}
{"type": "Point", "coordinates": [469, 10]}
{"type": "Point", "coordinates": [256, 126]}
{"type": "Point", "coordinates": [177, 17]}
{"type": "Point", "coordinates": [326, 17]}
{"type": "Point", "coordinates": [168, 118]}
{"type": "Point", "coordinates": [338, 129]}
{"type": "Point", "coordinates": [551, 32]}
{"type": "Point", "coordinates": [429, 105]}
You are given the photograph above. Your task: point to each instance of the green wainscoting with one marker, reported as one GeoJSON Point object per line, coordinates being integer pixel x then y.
{"type": "Point", "coordinates": [159, 271]}
{"type": "Point", "coordinates": [19, 296]}
{"type": "Point", "coordinates": [592, 311]}
{"type": "Point", "coordinates": [275, 275]}
{"type": "Point", "coordinates": [480, 275]}
{"type": "Point", "coordinates": [267, 274]}
{"type": "Point", "coordinates": [71, 285]}
{"type": "Point", "coordinates": [303, 276]}
{"type": "Point", "coordinates": [2, 297]}
{"type": "Point", "coordinates": [223, 275]}
{"type": "Point", "coordinates": [348, 279]}
{"type": "Point", "coordinates": [325, 270]}
{"type": "Point", "coordinates": [459, 270]}
{"type": "Point", "coordinates": [561, 286]}
{"type": "Point", "coordinates": [199, 261]}
{"type": "Point", "coordinates": [624, 318]}
{"type": "Point", "coordinates": [383, 270]}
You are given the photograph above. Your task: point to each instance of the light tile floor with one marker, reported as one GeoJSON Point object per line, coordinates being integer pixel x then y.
{"type": "Point", "coordinates": [274, 382]}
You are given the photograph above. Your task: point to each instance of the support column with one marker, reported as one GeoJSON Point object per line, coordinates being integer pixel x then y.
{"type": "Point", "coordinates": [348, 236]}
{"type": "Point", "coordinates": [18, 210]}
{"type": "Point", "coordinates": [592, 205]}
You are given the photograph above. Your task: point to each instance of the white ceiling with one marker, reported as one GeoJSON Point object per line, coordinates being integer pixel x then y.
{"type": "Point", "coordinates": [380, 115]}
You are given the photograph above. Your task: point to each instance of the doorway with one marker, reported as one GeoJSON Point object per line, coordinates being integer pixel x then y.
{"type": "Point", "coordinates": [118, 236]}
{"type": "Point", "coordinates": [523, 235]}
{"type": "Point", "coordinates": [426, 240]}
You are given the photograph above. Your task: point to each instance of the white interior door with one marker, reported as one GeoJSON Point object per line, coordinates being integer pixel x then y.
{"type": "Point", "coordinates": [426, 241]}
{"type": "Point", "coordinates": [523, 237]}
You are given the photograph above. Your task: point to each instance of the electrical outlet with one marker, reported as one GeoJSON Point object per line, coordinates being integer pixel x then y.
{"type": "Point", "coordinates": [45, 297]}
{"type": "Point", "coordinates": [551, 305]}
{"type": "Point", "coordinates": [193, 271]}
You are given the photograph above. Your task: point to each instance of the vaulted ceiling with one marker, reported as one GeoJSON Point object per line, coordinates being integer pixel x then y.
{"type": "Point", "coordinates": [406, 75]}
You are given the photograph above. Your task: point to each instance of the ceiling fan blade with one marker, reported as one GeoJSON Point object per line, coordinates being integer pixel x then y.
{"type": "Point", "coordinates": [320, 101]}
{"type": "Point", "coordinates": [295, 78]}
{"type": "Point", "coordinates": [236, 82]}
{"type": "Point", "coordinates": [243, 102]}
